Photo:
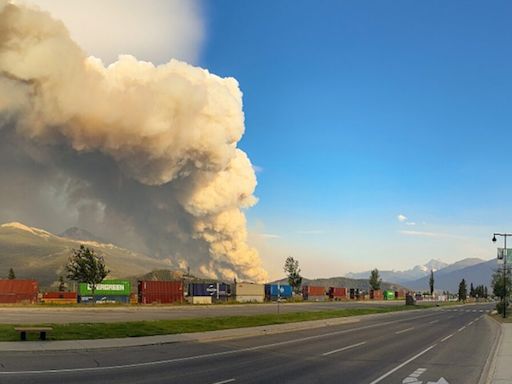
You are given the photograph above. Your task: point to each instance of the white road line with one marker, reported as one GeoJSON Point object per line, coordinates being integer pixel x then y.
{"type": "Point", "coordinates": [470, 323]}
{"type": "Point", "coordinates": [379, 379]}
{"type": "Point", "coordinates": [343, 349]}
{"type": "Point", "coordinates": [224, 381]}
{"type": "Point", "coordinates": [447, 337]}
{"type": "Point", "coordinates": [433, 321]}
{"type": "Point", "coordinates": [197, 357]}
{"type": "Point", "coordinates": [404, 330]}
{"type": "Point", "coordinates": [461, 329]}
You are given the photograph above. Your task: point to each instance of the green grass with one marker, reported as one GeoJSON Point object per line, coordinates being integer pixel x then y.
{"type": "Point", "coordinates": [81, 331]}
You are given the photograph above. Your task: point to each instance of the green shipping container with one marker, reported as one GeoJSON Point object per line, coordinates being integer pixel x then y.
{"type": "Point", "coordinates": [107, 287]}
{"type": "Point", "coordinates": [389, 295]}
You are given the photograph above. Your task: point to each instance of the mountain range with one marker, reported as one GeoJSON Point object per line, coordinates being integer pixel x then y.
{"type": "Point", "coordinates": [34, 253]}
{"type": "Point", "coordinates": [448, 279]}
{"type": "Point", "coordinates": [414, 273]}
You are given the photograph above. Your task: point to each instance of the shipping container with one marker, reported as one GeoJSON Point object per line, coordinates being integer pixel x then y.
{"type": "Point", "coordinates": [249, 289]}
{"type": "Point", "coordinates": [199, 299]}
{"type": "Point", "coordinates": [376, 294]}
{"type": "Point", "coordinates": [389, 295]}
{"type": "Point", "coordinates": [105, 299]}
{"type": "Point", "coordinates": [250, 298]}
{"type": "Point", "coordinates": [59, 298]}
{"type": "Point", "coordinates": [400, 294]}
{"type": "Point", "coordinates": [310, 291]}
{"type": "Point", "coordinates": [160, 292]}
{"type": "Point", "coordinates": [217, 291]}
{"type": "Point", "coordinates": [18, 291]}
{"type": "Point", "coordinates": [355, 294]}
{"type": "Point", "coordinates": [278, 291]}
{"type": "Point", "coordinates": [336, 293]}
{"type": "Point", "coordinates": [59, 295]}
{"type": "Point", "coordinates": [107, 288]}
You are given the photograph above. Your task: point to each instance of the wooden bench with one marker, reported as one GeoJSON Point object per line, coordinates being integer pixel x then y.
{"type": "Point", "coordinates": [41, 330]}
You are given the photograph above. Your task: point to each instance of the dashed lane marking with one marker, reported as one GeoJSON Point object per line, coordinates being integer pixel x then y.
{"type": "Point", "coordinates": [344, 348]}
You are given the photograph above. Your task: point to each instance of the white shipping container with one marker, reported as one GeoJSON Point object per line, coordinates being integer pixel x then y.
{"type": "Point", "coordinates": [249, 289]}
{"type": "Point", "coordinates": [250, 298]}
{"type": "Point", "coordinates": [199, 299]}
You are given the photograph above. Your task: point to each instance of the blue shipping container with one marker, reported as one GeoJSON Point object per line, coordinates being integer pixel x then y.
{"type": "Point", "coordinates": [205, 289]}
{"type": "Point", "coordinates": [275, 290]}
{"type": "Point", "coordinates": [105, 299]}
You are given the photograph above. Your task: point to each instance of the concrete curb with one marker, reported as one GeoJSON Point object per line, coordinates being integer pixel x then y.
{"type": "Point", "coordinates": [501, 371]}
{"type": "Point", "coordinates": [490, 364]}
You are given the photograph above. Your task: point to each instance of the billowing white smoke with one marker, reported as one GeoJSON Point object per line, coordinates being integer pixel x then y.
{"type": "Point", "coordinates": [149, 152]}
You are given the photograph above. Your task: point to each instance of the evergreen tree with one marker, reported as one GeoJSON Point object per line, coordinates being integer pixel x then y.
{"type": "Point", "coordinates": [471, 291]}
{"type": "Point", "coordinates": [431, 282]}
{"type": "Point", "coordinates": [463, 290]}
{"type": "Point", "coordinates": [11, 275]}
{"type": "Point", "coordinates": [375, 280]}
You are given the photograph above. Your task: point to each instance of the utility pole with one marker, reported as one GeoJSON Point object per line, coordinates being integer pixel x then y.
{"type": "Point", "coordinates": [505, 255]}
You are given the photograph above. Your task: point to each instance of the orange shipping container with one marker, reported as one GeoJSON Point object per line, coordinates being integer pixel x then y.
{"type": "Point", "coordinates": [60, 295]}
{"type": "Point", "coordinates": [337, 293]}
{"type": "Point", "coordinates": [309, 290]}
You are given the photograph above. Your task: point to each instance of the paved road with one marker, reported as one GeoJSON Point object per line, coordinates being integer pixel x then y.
{"type": "Point", "coordinates": [43, 314]}
{"type": "Point", "coordinates": [405, 347]}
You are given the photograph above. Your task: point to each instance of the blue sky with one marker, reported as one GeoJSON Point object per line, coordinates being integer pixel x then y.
{"type": "Point", "coordinates": [359, 111]}
{"type": "Point", "coordinates": [356, 112]}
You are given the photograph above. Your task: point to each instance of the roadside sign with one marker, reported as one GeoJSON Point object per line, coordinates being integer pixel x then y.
{"type": "Point", "coordinates": [501, 255]}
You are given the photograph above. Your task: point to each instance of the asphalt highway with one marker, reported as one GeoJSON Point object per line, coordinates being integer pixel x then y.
{"type": "Point", "coordinates": [443, 345]}
{"type": "Point", "coordinates": [89, 314]}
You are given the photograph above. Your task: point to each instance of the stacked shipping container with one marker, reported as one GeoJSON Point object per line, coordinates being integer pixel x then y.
{"type": "Point", "coordinates": [338, 293]}
{"type": "Point", "coordinates": [18, 291]}
{"type": "Point", "coordinates": [161, 292]}
{"type": "Point", "coordinates": [108, 291]}
{"type": "Point", "coordinates": [376, 294]}
{"type": "Point", "coordinates": [249, 292]}
{"type": "Point", "coordinates": [217, 291]}
{"type": "Point", "coordinates": [277, 291]}
{"type": "Point", "coordinates": [313, 293]}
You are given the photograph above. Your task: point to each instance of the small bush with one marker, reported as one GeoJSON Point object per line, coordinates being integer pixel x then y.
{"type": "Point", "coordinates": [500, 307]}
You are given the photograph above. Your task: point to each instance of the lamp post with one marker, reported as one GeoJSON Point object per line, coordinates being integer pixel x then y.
{"type": "Point", "coordinates": [504, 235]}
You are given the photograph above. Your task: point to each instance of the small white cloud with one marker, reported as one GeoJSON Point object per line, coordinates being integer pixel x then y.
{"type": "Point", "coordinates": [311, 232]}
{"type": "Point", "coordinates": [268, 236]}
{"type": "Point", "coordinates": [401, 218]}
{"type": "Point", "coordinates": [431, 234]}
{"type": "Point", "coordinates": [257, 168]}
{"type": "Point", "coordinates": [411, 223]}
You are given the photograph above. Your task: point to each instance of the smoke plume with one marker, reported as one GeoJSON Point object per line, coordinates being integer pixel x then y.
{"type": "Point", "coordinates": [146, 154]}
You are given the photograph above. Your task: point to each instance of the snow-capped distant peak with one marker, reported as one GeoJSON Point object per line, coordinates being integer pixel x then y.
{"type": "Point", "coordinates": [23, 227]}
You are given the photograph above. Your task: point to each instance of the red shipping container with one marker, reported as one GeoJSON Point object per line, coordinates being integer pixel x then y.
{"type": "Point", "coordinates": [15, 291]}
{"type": "Point", "coordinates": [162, 292]}
{"type": "Point", "coordinates": [337, 293]}
{"type": "Point", "coordinates": [309, 290]}
{"type": "Point", "coordinates": [376, 295]}
{"type": "Point", "coordinates": [60, 295]}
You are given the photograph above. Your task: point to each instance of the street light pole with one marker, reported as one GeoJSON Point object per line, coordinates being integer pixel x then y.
{"type": "Point", "coordinates": [504, 235]}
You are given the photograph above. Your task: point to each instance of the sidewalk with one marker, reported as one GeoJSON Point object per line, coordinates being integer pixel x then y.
{"type": "Point", "coordinates": [502, 370]}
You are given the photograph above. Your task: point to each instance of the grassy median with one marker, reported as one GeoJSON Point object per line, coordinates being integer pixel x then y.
{"type": "Point", "coordinates": [81, 331]}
